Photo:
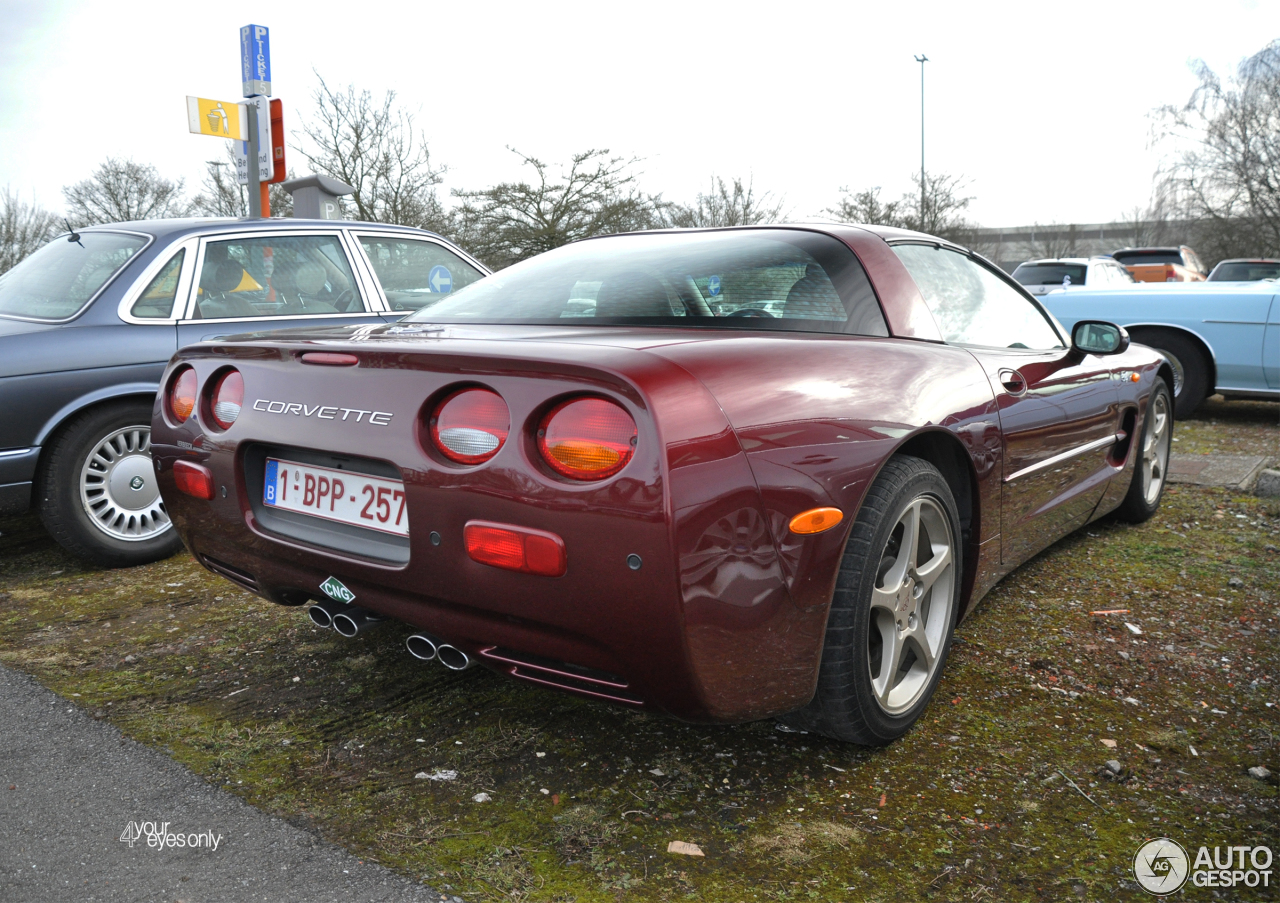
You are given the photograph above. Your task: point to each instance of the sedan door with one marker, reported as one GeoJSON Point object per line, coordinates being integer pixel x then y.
{"type": "Point", "coordinates": [415, 271]}
{"type": "Point", "coordinates": [266, 280]}
{"type": "Point", "coordinates": [1059, 412]}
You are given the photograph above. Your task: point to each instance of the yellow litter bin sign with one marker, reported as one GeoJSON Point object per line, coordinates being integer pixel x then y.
{"type": "Point", "coordinates": [219, 118]}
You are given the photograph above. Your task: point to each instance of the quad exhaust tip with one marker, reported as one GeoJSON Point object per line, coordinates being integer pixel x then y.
{"type": "Point", "coordinates": [352, 619]}
{"type": "Point", "coordinates": [453, 658]}
{"type": "Point", "coordinates": [423, 647]}
{"type": "Point", "coordinates": [321, 614]}
{"type": "Point", "coordinates": [428, 648]}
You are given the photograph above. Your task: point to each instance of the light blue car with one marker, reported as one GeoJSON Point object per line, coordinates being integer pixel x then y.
{"type": "Point", "coordinates": [1219, 337]}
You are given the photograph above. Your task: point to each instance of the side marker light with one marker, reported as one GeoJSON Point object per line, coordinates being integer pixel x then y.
{"type": "Point", "coordinates": [816, 520]}
{"type": "Point", "coordinates": [195, 480]}
{"type": "Point", "coordinates": [515, 548]}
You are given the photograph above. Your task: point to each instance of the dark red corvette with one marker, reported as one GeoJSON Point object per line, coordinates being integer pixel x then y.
{"type": "Point", "coordinates": [724, 474]}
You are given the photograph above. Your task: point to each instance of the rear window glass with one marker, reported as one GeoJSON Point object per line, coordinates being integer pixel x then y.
{"type": "Point", "coordinates": [55, 282]}
{"type": "Point", "coordinates": [1050, 273]}
{"type": "Point", "coordinates": [772, 279]}
{"type": "Point", "coordinates": [1135, 258]}
{"type": "Point", "coordinates": [1245, 272]}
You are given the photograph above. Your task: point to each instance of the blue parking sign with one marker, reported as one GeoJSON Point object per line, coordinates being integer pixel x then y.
{"type": "Point", "coordinates": [441, 279]}
{"type": "Point", "coordinates": [713, 285]}
{"type": "Point", "coordinates": [255, 60]}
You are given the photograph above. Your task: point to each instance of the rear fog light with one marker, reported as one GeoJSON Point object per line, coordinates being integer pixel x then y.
{"type": "Point", "coordinates": [516, 548]}
{"type": "Point", "coordinates": [195, 480]}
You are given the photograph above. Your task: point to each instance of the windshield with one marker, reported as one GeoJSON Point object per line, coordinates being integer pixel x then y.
{"type": "Point", "coordinates": [1050, 273]}
{"type": "Point", "coordinates": [1246, 271]}
{"type": "Point", "coordinates": [777, 279]}
{"type": "Point", "coordinates": [55, 282]}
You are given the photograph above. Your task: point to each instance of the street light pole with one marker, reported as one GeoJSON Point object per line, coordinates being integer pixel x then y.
{"type": "Point", "coordinates": [922, 59]}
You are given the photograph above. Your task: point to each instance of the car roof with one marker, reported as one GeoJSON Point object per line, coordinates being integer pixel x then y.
{"type": "Point", "coordinates": [1049, 261]}
{"type": "Point", "coordinates": [199, 225]}
{"type": "Point", "coordinates": [1247, 260]}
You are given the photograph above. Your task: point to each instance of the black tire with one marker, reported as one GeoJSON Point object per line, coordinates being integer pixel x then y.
{"type": "Point", "coordinates": [68, 512]}
{"type": "Point", "coordinates": [1190, 368]}
{"type": "Point", "coordinates": [846, 705]}
{"type": "Point", "coordinates": [1150, 469]}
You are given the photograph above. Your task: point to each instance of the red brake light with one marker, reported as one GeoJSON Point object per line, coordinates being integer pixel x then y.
{"type": "Point", "coordinates": [193, 479]}
{"type": "Point", "coordinates": [470, 425]}
{"type": "Point", "coordinates": [587, 438]}
{"type": "Point", "coordinates": [515, 548]}
{"type": "Point", "coordinates": [182, 394]}
{"type": "Point", "coordinates": [228, 396]}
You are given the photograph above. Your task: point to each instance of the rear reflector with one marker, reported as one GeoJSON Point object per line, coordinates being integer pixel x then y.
{"type": "Point", "coordinates": [587, 438]}
{"type": "Point", "coordinates": [194, 479]}
{"type": "Point", "coordinates": [330, 359]}
{"type": "Point", "coordinates": [470, 425]}
{"type": "Point", "coordinates": [515, 548]}
{"type": "Point", "coordinates": [816, 520]}
{"type": "Point", "coordinates": [228, 396]}
{"type": "Point", "coordinates": [182, 394]}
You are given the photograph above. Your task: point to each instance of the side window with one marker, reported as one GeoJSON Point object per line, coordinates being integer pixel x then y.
{"type": "Point", "coordinates": [276, 276]}
{"type": "Point", "coordinates": [156, 300]}
{"type": "Point", "coordinates": [415, 273]}
{"type": "Point", "coordinates": [973, 306]}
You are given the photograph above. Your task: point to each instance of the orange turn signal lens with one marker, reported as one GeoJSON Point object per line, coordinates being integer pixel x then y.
{"type": "Point", "coordinates": [815, 520]}
{"type": "Point", "coordinates": [182, 394]}
{"type": "Point", "coordinates": [1133, 378]}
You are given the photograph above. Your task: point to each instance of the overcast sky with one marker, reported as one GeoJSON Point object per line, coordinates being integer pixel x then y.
{"type": "Point", "coordinates": [1043, 107]}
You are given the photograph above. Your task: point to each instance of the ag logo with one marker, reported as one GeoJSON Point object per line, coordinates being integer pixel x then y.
{"type": "Point", "coordinates": [137, 483]}
{"type": "Point", "coordinates": [1160, 866]}
{"type": "Point", "coordinates": [334, 589]}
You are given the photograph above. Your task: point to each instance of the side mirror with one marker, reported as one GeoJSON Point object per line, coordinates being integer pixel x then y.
{"type": "Point", "coordinates": [1098, 337]}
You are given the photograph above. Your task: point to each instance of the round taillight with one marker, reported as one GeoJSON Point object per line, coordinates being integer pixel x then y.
{"type": "Point", "coordinates": [228, 396]}
{"type": "Point", "coordinates": [470, 425]}
{"type": "Point", "coordinates": [182, 394]}
{"type": "Point", "coordinates": [587, 438]}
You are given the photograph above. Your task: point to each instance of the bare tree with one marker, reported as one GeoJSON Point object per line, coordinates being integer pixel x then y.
{"type": "Point", "coordinates": [224, 196]}
{"type": "Point", "coordinates": [23, 228]}
{"type": "Point", "coordinates": [122, 190]}
{"type": "Point", "coordinates": [1228, 175]}
{"type": "Point", "coordinates": [731, 204]}
{"type": "Point", "coordinates": [1053, 241]}
{"type": "Point", "coordinates": [377, 149]}
{"type": "Point", "coordinates": [942, 213]}
{"type": "Point", "coordinates": [595, 195]}
{"type": "Point", "coordinates": [866, 207]}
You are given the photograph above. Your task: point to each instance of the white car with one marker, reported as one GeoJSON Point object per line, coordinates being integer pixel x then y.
{"type": "Point", "coordinates": [1043, 276]}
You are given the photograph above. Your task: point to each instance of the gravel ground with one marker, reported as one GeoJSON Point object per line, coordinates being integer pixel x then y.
{"type": "Point", "coordinates": [71, 786]}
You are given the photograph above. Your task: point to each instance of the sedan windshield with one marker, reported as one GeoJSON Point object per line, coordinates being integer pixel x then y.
{"type": "Point", "coordinates": [1050, 273]}
{"type": "Point", "coordinates": [1245, 271]}
{"type": "Point", "coordinates": [776, 279]}
{"type": "Point", "coordinates": [55, 282]}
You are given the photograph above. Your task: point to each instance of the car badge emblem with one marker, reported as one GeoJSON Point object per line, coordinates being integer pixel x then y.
{"type": "Point", "coordinates": [137, 483]}
{"type": "Point", "coordinates": [333, 588]}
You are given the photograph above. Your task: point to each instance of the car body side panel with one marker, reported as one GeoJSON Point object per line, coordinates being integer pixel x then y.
{"type": "Point", "coordinates": [1271, 346]}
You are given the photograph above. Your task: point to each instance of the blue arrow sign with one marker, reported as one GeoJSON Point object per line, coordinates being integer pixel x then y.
{"type": "Point", "coordinates": [255, 60]}
{"type": "Point", "coordinates": [713, 285]}
{"type": "Point", "coordinates": [441, 279]}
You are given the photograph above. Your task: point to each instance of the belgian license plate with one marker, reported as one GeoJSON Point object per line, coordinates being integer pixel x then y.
{"type": "Point", "coordinates": [338, 495]}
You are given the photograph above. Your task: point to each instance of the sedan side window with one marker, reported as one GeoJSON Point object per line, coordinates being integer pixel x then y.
{"type": "Point", "coordinates": [972, 305]}
{"type": "Point", "coordinates": [156, 300]}
{"type": "Point", "coordinates": [276, 276]}
{"type": "Point", "coordinates": [415, 274]}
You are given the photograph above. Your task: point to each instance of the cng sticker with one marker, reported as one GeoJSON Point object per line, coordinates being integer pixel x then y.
{"type": "Point", "coordinates": [334, 589]}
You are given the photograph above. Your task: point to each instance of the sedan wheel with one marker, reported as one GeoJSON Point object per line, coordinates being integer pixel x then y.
{"type": "Point", "coordinates": [1151, 469]}
{"type": "Point", "coordinates": [893, 611]}
{"type": "Point", "coordinates": [98, 491]}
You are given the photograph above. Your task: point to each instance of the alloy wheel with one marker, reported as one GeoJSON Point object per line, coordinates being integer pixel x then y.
{"type": "Point", "coordinates": [1155, 448]}
{"type": "Point", "coordinates": [118, 486]}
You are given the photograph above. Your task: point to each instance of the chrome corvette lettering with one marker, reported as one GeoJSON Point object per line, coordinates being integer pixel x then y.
{"type": "Point", "coordinates": [324, 412]}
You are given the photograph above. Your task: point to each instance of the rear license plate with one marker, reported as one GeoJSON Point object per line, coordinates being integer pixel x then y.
{"type": "Point", "coordinates": [338, 495]}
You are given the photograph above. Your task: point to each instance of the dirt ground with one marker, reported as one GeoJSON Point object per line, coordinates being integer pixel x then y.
{"type": "Point", "coordinates": [1001, 792]}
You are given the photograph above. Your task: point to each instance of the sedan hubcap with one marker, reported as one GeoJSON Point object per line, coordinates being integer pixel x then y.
{"type": "Point", "coordinates": [911, 605]}
{"type": "Point", "coordinates": [1155, 448]}
{"type": "Point", "coordinates": [118, 486]}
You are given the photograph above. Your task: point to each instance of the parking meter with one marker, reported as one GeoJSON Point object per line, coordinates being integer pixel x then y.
{"type": "Point", "coordinates": [316, 197]}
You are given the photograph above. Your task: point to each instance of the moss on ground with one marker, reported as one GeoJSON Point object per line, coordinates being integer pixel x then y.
{"type": "Point", "coordinates": [998, 794]}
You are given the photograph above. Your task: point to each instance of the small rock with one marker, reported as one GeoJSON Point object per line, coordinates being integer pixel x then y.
{"type": "Point", "coordinates": [684, 849]}
{"type": "Point", "coordinates": [540, 755]}
{"type": "Point", "coordinates": [1114, 767]}
{"type": "Point", "coordinates": [1261, 772]}
{"type": "Point", "coordinates": [1109, 744]}
{"type": "Point", "coordinates": [657, 771]}
{"type": "Point", "coordinates": [131, 659]}
{"type": "Point", "coordinates": [1124, 655]}
{"type": "Point", "coordinates": [1133, 628]}
{"type": "Point", "coordinates": [481, 798]}
{"type": "Point", "coordinates": [544, 791]}
{"type": "Point", "coordinates": [1235, 583]}
{"type": "Point", "coordinates": [1131, 700]}
{"type": "Point", "coordinates": [1193, 752]}
{"type": "Point", "coordinates": [438, 775]}
{"type": "Point", "coordinates": [788, 730]}
{"type": "Point", "coordinates": [1268, 485]}
{"type": "Point", "coordinates": [297, 680]}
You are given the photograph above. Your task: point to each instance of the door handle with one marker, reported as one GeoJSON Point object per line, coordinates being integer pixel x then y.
{"type": "Point", "coordinates": [1013, 382]}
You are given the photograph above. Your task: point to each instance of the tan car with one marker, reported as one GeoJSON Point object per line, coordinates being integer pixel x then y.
{"type": "Point", "coordinates": [1178, 264]}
